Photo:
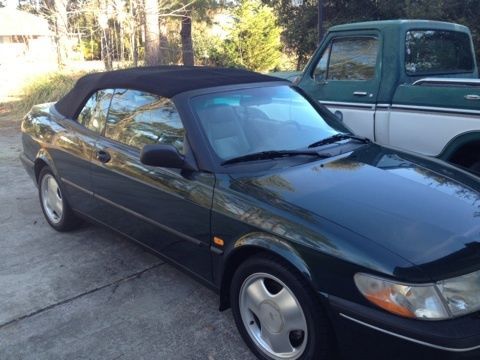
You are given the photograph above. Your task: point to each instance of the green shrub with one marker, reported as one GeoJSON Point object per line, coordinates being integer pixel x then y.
{"type": "Point", "coordinates": [90, 49]}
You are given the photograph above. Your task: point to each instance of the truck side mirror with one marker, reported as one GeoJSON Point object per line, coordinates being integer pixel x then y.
{"type": "Point", "coordinates": [320, 76]}
{"type": "Point", "coordinates": [339, 115]}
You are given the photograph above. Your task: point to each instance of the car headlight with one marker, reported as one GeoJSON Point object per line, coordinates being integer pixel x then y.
{"type": "Point", "coordinates": [442, 300]}
{"type": "Point", "coordinates": [408, 300]}
{"type": "Point", "coordinates": [461, 294]}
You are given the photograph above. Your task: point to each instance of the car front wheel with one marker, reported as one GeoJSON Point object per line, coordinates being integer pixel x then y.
{"type": "Point", "coordinates": [277, 313]}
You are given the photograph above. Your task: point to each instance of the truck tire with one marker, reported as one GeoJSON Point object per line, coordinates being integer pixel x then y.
{"type": "Point", "coordinates": [467, 156]}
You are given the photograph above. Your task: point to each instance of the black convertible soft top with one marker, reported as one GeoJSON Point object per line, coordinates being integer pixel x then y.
{"type": "Point", "coordinates": [166, 81]}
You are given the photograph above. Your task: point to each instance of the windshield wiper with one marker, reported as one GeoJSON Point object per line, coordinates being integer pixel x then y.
{"type": "Point", "coordinates": [338, 137]}
{"type": "Point", "coordinates": [263, 155]}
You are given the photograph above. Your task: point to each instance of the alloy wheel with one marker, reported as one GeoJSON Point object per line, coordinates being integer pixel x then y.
{"type": "Point", "coordinates": [52, 199]}
{"type": "Point", "coordinates": [273, 317]}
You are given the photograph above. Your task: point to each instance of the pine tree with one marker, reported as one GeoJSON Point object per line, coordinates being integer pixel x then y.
{"type": "Point", "coordinates": [254, 41]}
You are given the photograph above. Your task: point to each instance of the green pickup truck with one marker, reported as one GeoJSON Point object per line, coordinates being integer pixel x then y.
{"type": "Point", "coordinates": [411, 84]}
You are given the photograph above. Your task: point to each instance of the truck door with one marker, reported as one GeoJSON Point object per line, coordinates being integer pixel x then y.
{"type": "Point", "coordinates": [344, 75]}
{"type": "Point", "coordinates": [425, 116]}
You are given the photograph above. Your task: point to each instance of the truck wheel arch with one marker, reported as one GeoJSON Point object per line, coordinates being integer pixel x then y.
{"type": "Point", "coordinates": [253, 244]}
{"type": "Point", "coordinates": [453, 150]}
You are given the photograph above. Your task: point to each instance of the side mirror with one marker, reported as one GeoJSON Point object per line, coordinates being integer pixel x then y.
{"type": "Point", "coordinates": [319, 78]}
{"type": "Point", "coordinates": [339, 115]}
{"type": "Point", "coordinates": [162, 156]}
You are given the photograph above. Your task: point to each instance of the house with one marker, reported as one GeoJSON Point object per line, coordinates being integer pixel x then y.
{"type": "Point", "coordinates": [25, 37]}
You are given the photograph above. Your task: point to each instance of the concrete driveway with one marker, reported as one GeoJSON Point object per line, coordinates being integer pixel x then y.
{"type": "Point", "coordinates": [92, 294]}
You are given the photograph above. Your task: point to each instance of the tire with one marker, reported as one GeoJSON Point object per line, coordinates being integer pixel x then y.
{"type": "Point", "coordinates": [475, 168]}
{"type": "Point", "coordinates": [273, 304]}
{"type": "Point", "coordinates": [54, 204]}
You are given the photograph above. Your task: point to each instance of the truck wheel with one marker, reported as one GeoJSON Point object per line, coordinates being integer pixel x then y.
{"type": "Point", "coordinates": [475, 168]}
{"type": "Point", "coordinates": [467, 157]}
{"type": "Point", "coordinates": [54, 204]}
{"type": "Point", "coordinates": [276, 313]}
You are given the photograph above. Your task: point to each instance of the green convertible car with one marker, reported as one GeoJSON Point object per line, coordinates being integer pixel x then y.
{"type": "Point", "coordinates": [323, 243]}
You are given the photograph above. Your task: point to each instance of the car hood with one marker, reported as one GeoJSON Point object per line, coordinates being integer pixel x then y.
{"type": "Point", "coordinates": [410, 205]}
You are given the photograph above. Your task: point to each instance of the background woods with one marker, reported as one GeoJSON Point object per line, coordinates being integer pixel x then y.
{"type": "Point", "coordinates": [261, 35]}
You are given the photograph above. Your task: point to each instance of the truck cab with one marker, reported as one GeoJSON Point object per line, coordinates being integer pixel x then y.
{"type": "Point", "coordinates": [411, 84]}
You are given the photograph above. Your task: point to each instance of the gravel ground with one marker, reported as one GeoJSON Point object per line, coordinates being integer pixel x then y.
{"type": "Point", "coordinates": [92, 294]}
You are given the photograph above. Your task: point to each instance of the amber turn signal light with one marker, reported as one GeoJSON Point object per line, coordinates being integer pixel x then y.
{"type": "Point", "coordinates": [217, 241]}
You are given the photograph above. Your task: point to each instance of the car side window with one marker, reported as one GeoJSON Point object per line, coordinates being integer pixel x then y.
{"type": "Point", "coordinates": [348, 59]}
{"type": "Point", "coordinates": [138, 118]}
{"type": "Point", "coordinates": [94, 114]}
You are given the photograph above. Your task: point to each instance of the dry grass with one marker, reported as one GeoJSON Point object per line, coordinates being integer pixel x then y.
{"type": "Point", "coordinates": [44, 88]}
{"type": "Point", "coordinates": [51, 86]}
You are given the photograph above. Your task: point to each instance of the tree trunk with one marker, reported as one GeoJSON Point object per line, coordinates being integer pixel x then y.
{"type": "Point", "coordinates": [106, 51]}
{"type": "Point", "coordinates": [122, 43]}
{"type": "Point", "coordinates": [61, 31]}
{"type": "Point", "coordinates": [187, 43]}
{"type": "Point", "coordinates": [106, 41]}
{"type": "Point", "coordinates": [152, 33]}
{"type": "Point", "coordinates": [299, 63]}
{"type": "Point", "coordinates": [321, 18]}
{"type": "Point", "coordinates": [135, 48]}
{"type": "Point", "coordinates": [134, 34]}
{"type": "Point", "coordinates": [164, 46]}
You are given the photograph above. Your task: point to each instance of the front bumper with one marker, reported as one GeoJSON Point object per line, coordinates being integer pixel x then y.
{"type": "Point", "coordinates": [365, 332]}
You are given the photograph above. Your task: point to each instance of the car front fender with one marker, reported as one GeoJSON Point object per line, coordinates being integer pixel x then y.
{"type": "Point", "coordinates": [250, 245]}
{"type": "Point", "coordinates": [276, 246]}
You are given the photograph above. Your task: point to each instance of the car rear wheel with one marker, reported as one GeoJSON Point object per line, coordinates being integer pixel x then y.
{"type": "Point", "coordinates": [277, 313]}
{"type": "Point", "coordinates": [54, 204]}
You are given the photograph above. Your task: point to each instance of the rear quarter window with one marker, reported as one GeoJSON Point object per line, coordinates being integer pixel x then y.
{"type": "Point", "coordinates": [94, 112]}
{"type": "Point", "coordinates": [437, 52]}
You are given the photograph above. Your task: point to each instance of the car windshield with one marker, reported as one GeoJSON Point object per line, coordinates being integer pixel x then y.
{"type": "Point", "coordinates": [268, 118]}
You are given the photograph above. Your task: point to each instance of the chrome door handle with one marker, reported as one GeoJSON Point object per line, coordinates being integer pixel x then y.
{"type": "Point", "coordinates": [472, 97]}
{"type": "Point", "coordinates": [360, 93]}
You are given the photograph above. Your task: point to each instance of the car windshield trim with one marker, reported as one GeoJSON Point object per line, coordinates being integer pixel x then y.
{"type": "Point", "coordinates": [338, 137]}
{"type": "Point", "coordinates": [272, 154]}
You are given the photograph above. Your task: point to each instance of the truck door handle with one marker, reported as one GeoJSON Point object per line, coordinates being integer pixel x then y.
{"type": "Point", "coordinates": [102, 156]}
{"type": "Point", "coordinates": [472, 97]}
{"type": "Point", "coordinates": [360, 93]}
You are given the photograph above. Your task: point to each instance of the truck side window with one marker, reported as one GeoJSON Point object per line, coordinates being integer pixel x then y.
{"type": "Point", "coordinates": [437, 52]}
{"type": "Point", "coordinates": [320, 72]}
{"type": "Point", "coordinates": [94, 112]}
{"type": "Point", "coordinates": [353, 59]}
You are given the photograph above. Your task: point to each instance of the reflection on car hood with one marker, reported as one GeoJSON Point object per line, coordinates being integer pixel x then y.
{"type": "Point", "coordinates": [409, 205]}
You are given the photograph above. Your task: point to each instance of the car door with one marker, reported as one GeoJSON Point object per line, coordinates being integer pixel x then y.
{"type": "Point", "coordinates": [75, 147]}
{"type": "Point", "coordinates": [166, 209]}
{"type": "Point", "coordinates": [345, 77]}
